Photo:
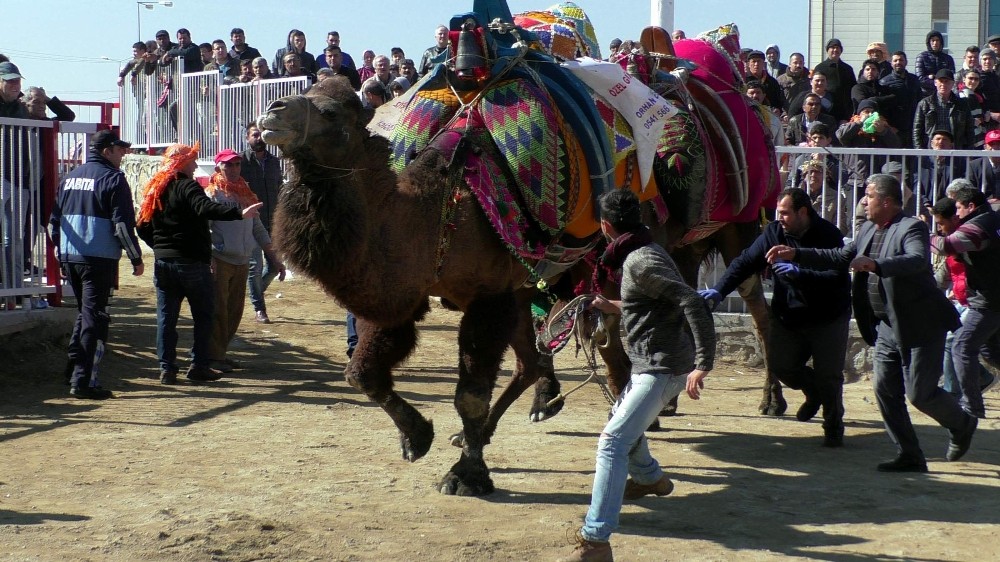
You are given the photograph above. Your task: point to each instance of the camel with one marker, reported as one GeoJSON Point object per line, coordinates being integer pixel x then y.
{"type": "Point", "coordinates": [383, 242]}
{"type": "Point", "coordinates": [372, 240]}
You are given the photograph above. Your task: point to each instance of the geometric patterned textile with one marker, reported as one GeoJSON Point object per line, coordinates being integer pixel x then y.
{"type": "Point", "coordinates": [616, 128]}
{"type": "Point", "coordinates": [572, 12]}
{"type": "Point", "coordinates": [681, 170]}
{"type": "Point", "coordinates": [488, 182]}
{"type": "Point", "coordinates": [558, 37]}
{"type": "Point", "coordinates": [726, 41]}
{"type": "Point", "coordinates": [428, 112]}
{"type": "Point", "coordinates": [526, 127]}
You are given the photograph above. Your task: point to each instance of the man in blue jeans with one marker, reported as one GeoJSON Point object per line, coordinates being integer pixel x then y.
{"type": "Point", "coordinates": [262, 172]}
{"type": "Point", "coordinates": [666, 359]}
{"type": "Point", "coordinates": [173, 220]}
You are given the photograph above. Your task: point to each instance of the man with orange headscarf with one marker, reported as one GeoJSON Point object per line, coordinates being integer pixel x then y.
{"type": "Point", "coordinates": [173, 220]}
{"type": "Point", "coordinates": [233, 243]}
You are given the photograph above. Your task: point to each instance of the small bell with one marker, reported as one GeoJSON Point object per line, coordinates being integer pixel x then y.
{"type": "Point", "coordinates": [470, 61]}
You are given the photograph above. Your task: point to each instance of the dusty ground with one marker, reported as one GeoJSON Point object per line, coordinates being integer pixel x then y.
{"type": "Point", "coordinates": [284, 461]}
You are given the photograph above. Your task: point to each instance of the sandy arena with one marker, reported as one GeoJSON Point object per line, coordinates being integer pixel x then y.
{"type": "Point", "coordinates": [284, 461]}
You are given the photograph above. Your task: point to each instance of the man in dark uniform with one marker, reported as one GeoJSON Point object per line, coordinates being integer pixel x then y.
{"type": "Point", "coordinates": [92, 221]}
{"type": "Point", "coordinates": [900, 311]}
{"type": "Point", "coordinates": [810, 310]}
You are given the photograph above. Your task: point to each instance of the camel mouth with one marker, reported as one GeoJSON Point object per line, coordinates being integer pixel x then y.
{"type": "Point", "coordinates": [273, 130]}
{"type": "Point", "coordinates": [279, 138]}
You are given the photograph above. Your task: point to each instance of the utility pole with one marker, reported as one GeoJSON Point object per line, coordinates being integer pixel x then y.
{"type": "Point", "coordinates": [662, 14]}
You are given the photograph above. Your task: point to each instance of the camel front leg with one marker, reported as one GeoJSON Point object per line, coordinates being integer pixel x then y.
{"type": "Point", "coordinates": [483, 336]}
{"type": "Point", "coordinates": [380, 349]}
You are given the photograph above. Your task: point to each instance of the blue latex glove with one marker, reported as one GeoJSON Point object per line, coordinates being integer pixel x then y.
{"type": "Point", "coordinates": [712, 297]}
{"type": "Point", "coordinates": [788, 270]}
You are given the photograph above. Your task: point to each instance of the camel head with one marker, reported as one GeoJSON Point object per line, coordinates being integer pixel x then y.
{"type": "Point", "coordinates": [324, 125]}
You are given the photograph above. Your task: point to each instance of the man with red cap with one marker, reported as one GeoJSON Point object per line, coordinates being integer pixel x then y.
{"type": "Point", "coordinates": [173, 221]}
{"type": "Point", "coordinates": [233, 242]}
{"type": "Point", "coordinates": [984, 172]}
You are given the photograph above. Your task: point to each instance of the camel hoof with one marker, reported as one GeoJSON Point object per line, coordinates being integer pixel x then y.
{"type": "Point", "coordinates": [415, 446]}
{"type": "Point", "coordinates": [774, 408]}
{"type": "Point", "coordinates": [467, 478]}
{"type": "Point", "coordinates": [457, 440]}
{"type": "Point", "coordinates": [540, 410]}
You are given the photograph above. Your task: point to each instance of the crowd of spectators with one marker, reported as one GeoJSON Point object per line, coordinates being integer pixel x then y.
{"type": "Point", "coordinates": [238, 62]}
{"type": "Point", "coordinates": [939, 106]}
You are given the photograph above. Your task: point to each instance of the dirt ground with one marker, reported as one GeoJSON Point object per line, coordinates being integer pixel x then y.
{"type": "Point", "coordinates": [284, 461]}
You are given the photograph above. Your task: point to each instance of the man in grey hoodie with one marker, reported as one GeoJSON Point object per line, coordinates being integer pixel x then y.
{"type": "Point", "coordinates": [774, 65]}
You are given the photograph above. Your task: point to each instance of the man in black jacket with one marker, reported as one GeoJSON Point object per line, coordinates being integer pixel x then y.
{"type": "Point", "coordinates": [943, 110]}
{"type": "Point", "coordinates": [173, 221]}
{"type": "Point", "coordinates": [904, 87]}
{"type": "Point", "coordinates": [840, 79]}
{"type": "Point", "coordinates": [900, 311]}
{"type": "Point", "coordinates": [756, 70]}
{"type": "Point", "coordinates": [810, 310]}
{"type": "Point", "coordinates": [262, 172]}
{"type": "Point", "coordinates": [240, 50]}
{"type": "Point", "coordinates": [186, 50]}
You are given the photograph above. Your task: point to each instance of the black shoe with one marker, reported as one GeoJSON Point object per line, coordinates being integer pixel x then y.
{"type": "Point", "coordinates": [90, 393]}
{"type": "Point", "coordinates": [198, 373]}
{"type": "Point", "coordinates": [960, 442]}
{"type": "Point", "coordinates": [903, 464]}
{"type": "Point", "coordinates": [168, 377]}
{"type": "Point", "coordinates": [833, 440]}
{"type": "Point", "coordinates": [350, 352]}
{"type": "Point", "coordinates": [808, 409]}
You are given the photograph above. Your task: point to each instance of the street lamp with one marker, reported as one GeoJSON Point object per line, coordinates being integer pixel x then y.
{"type": "Point", "coordinates": [149, 5]}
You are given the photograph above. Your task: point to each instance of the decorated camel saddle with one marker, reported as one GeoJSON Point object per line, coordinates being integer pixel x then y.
{"type": "Point", "coordinates": [538, 127]}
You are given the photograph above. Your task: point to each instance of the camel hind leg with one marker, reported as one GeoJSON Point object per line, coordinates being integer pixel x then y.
{"type": "Point", "coordinates": [483, 336]}
{"type": "Point", "coordinates": [380, 349]}
{"type": "Point", "coordinates": [533, 367]}
{"type": "Point", "coordinates": [732, 240]}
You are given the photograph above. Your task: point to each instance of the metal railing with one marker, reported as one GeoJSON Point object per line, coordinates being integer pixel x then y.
{"type": "Point", "coordinates": [22, 264]}
{"type": "Point", "coordinates": [35, 156]}
{"type": "Point", "coordinates": [170, 106]}
{"type": "Point", "coordinates": [240, 104]}
{"type": "Point", "coordinates": [148, 107]}
{"type": "Point", "coordinates": [199, 112]}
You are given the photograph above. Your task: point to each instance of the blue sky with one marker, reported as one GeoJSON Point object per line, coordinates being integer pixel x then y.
{"type": "Point", "coordinates": [74, 48]}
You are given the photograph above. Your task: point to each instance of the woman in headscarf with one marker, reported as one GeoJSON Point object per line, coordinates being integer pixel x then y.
{"type": "Point", "coordinates": [173, 221]}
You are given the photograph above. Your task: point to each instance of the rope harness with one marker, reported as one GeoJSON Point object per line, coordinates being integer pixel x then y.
{"type": "Point", "coordinates": [555, 333]}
